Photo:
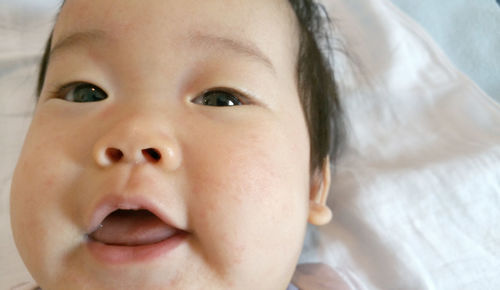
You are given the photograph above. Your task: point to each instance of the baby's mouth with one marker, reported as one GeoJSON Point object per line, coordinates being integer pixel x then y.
{"type": "Point", "coordinates": [132, 228]}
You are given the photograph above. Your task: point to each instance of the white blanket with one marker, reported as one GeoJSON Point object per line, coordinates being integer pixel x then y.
{"type": "Point", "coordinates": [416, 195]}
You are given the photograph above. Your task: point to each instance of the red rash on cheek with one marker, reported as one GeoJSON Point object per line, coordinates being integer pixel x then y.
{"type": "Point", "coordinates": [50, 181]}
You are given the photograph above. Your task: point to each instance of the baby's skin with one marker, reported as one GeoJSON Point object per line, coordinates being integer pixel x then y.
{"type": "Point", "coordinates": [168, 149]}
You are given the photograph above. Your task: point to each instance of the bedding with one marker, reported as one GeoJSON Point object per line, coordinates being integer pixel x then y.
{"type": "Point", "coordinates": [468, 32]}
{"type": "Point", "coordinates": [416, 192]}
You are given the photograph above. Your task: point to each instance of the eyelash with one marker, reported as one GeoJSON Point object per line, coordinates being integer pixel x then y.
{"type": "Point", "coordinates": [62, 91]}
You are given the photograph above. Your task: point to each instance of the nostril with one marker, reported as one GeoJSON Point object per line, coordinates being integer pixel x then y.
{"type": "Point", "coordinates": [151, 154]}
{"type": "Point", "coordinates": [114, 154]}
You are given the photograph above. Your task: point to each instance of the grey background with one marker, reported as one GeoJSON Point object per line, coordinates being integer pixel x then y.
{"type": "Point", "coordinates": [469, 33]}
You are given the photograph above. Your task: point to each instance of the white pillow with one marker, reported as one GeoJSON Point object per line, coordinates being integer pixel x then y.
{"type": "Point", "coordinates": [416, 197]}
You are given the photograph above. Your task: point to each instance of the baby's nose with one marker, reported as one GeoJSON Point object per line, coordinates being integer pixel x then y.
{"type": "Point", "coordinates": [113, 155]}
{"type": "Point", "coordinates": [134, 144]}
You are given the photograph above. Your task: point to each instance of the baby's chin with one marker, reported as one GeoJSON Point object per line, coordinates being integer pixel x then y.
{"type": "Point", "coordinates": [79, 270]}
{"type": "Point", "coordinates": [160, 280]}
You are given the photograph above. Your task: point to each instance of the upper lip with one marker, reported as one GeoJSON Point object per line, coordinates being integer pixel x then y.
{"type": "Point", "coordinates": [113, 202]}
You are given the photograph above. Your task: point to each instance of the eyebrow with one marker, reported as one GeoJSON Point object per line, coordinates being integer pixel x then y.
{"type": "Point", "coordinates": [77, 38]}
{"type": "Point", "coordinates": [196, 39]}
{"type": "Point", "coordinates": [241, 47]}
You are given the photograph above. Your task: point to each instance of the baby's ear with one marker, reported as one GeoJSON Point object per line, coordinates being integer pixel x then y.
{"type": "Point", "coordinates": [319, 213]}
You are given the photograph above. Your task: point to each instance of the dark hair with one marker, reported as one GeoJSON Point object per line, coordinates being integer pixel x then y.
{"type": "Point", "coordinates": [315, 81]}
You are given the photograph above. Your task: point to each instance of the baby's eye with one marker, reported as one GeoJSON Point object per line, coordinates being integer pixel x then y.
{"type": "Point", "coordinates": [83, 92]}
{"type": "Point", "coordinates": [218, 98]}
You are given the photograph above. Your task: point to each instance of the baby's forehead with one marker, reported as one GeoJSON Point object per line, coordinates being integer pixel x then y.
{"type": "Point", "coordinates": [262, 29]}
{"type": "Point", "coordinates": [268, 25]}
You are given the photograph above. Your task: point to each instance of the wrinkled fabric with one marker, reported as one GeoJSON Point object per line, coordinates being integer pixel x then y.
{"type": "Point", "coordinates": [416, 195]}
{"type": "Point", "coordinates": [468, 33]}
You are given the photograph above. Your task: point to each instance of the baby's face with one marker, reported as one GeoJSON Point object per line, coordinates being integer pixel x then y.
{"type": "Point", "coordinates": [187, 110]}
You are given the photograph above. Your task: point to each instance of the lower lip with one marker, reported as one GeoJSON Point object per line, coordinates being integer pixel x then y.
{"type": "Point", "coordinates": [112, 254]}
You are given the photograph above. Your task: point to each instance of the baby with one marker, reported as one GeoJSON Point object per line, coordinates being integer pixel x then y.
{"type": "Point", "coordinates": [177, 145]}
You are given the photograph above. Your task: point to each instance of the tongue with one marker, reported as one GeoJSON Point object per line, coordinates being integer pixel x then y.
{"type": "Point", "coordinates": [132, 228]}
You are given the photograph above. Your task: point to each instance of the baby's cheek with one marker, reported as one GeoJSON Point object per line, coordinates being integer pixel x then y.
{"type": "Point", "coordinates": [39, 186]}
{"type": "Point", "coordinates": [25, 206]}
{"type": "Point", "coordinates": [247, 208]}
